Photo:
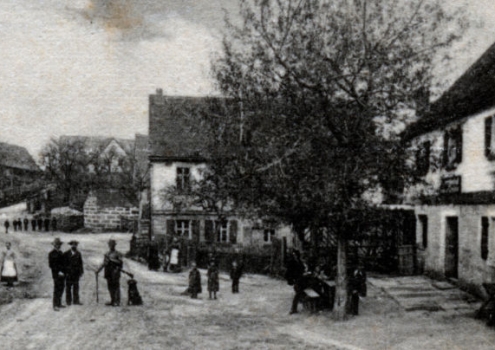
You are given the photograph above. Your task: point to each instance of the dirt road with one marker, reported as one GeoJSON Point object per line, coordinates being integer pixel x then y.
{"type": "Point", "coordinates": [257, 318]}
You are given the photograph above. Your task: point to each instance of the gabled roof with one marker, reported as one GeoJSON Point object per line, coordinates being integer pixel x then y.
{"type": "Point", "coordinates": [174, 131]}
{"type": "Point", "coordinates": [94, 143]}
{"type": "Point", "coordinates": [472, 93]}
{"type": "Point", "coordinates": [18, 157]}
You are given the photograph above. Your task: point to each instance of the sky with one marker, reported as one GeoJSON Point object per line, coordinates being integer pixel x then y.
{"type": "Point", "coordinates": [86, 67]}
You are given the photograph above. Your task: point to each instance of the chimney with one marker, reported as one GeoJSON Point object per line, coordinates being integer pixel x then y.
{"type": "Point", "coordinates": [157, 98]}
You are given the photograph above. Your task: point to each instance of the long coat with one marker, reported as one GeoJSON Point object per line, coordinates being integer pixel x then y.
{"type": "Point", "coordinates": [195, 281]}
{"type": "Point", "coordinates": [74, 265]}
{"type": "Point", "coordinates": [56, 262]}
{"type": "Point", "coordinates": [213, 285]}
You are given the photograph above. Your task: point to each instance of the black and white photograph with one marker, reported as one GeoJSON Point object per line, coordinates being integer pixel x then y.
{"type": "Point", "coordinates": [247, 174]}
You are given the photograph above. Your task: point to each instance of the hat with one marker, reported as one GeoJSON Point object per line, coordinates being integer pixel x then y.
{"type": "Point", "coordinates": [112, 242]}
{"type": "Point", "coordinates": [57, 241]}
{"type": "Point", "coordinates": [73, 242]}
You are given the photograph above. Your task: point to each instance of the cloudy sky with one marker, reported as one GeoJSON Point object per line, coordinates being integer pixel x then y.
{"type": "Point", "coordinates": [87, 68]}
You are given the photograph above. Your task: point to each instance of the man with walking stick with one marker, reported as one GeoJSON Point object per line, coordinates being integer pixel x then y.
{"type": "Point", "coordinates": [112, 263]}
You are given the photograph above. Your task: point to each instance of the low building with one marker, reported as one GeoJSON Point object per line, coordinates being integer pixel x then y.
{"type": "Point", "coordinates": [20, 176]}
{"type": "Point", "coordinates": [106, 210]}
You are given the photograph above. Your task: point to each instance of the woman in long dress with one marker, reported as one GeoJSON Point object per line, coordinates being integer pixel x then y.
{"type": "Point", "coordinates": [9, 268]}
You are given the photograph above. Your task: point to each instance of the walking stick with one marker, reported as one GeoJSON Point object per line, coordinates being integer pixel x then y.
{"type": "Point", "coordinates": [96, 275]}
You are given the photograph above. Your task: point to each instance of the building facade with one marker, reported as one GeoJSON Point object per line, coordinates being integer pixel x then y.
{"type": "Point", "coordinates": [177, 158]}
{"type": "Point", "coordinates": [452, 150]}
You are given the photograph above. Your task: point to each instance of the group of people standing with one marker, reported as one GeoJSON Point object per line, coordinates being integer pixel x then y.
{"type": "Point", "coordinates": [67, 269]}
{"type": "Point", "coordinates": [37, 224]}
{"type": "Point", "coordinates": [213, 279]}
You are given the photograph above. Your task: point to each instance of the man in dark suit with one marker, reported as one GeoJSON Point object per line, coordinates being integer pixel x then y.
{"type": "Point", "coordinates": [74, 271]}
{"type": "Point", "coordinates": [26, 224]}
{"type": "Point", "coordinates": [295, 276]}
{"type": "Point", "coordinates": [56, 262]}
{"type": "Point", "coordinates": [39, 222]}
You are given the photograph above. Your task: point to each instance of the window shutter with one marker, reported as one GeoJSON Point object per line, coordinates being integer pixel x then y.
{"type": "Point", "coordinates": [445, 154]}
{"type": "Point", "coordinates": [178, 183]}
{"type": "Point", "coordinates": [484, 237]}
{"type": "Point", "coordinates": [187, 179]}
{"type": "Point", "coordinates": [171, 227]}
{"type": "Point", "coordinates": [195, 230]}
{"type": "Point", "coordinates": [233, 232]}
{"type": "Point", "coordinates": [458, 141]}
{"type": "Point", "coordinates": [209, 231]}
{"type": "Point", "coordinates": [423, 158]}
{"type": "Point", "coordinates": [488, 136]}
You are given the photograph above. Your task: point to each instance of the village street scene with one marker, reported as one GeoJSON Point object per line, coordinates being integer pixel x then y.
{"type": "Point", "coordinates": [244, 174]}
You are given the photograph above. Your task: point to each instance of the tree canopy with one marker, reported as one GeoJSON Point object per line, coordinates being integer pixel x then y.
{"type": "Point", "coordinates": [318, 92]}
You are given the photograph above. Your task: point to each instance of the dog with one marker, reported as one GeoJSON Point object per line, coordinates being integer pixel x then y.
{"type": "Point", "coordinates": [133, 297]}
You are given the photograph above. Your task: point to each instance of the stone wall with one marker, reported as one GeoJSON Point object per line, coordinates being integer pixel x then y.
{"type": "Point", "coordinates": [106, 219]}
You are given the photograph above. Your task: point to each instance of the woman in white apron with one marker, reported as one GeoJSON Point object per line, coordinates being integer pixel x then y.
{"type": "Point", "coordinates": [9, 268]}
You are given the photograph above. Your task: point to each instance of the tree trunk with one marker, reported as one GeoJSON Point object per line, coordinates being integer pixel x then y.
{"type": "Point", "coordinates": [340, 303]}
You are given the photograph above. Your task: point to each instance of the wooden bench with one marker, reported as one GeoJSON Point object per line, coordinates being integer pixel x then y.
{"type": "Point", "coordinates": [311, 300]}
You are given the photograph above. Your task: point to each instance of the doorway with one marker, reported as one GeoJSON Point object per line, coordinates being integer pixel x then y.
{"type": "Point", "coordinates": [452, 247]}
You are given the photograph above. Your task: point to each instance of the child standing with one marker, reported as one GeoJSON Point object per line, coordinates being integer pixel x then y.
{"type": "Point", "coordinates": [194, 281]}
{"type": "Point", "coordinates": [235, 276]}
{"type": "Point", "coordinates": [213, 285]}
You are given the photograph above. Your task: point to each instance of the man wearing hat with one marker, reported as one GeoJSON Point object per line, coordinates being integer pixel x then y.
{"type": "Point", "coordinates": [112, 263]}
{"type": "Point", "coordinates": [74, 271]}
{"type": "Point", "coordinates": [56, 262]}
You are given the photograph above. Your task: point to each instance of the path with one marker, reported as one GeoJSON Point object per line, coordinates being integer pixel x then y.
{"type": "Point", "coordinates": [416, 293]}
{"type": "Point", "coordinates": [255, 318]}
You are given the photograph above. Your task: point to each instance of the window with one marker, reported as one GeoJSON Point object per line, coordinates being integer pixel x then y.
{"type": "Point", "coordinates": [182, 179]}
{"type": "Point", "coordinates": [223, 231]}
{"type": "Point", "coordinates": [452, 148]}
{"type": "Point", "coordinates": [182, 228]}
{"type": "Point", "coordinates": [423, 158]}
{"type": "Point", "coordinates": [489, 138]}
{"type": "Point", "coordinates": [484, 237]}
{"type": "Point", "coordinates": [268, 235]}
{"type": "Point", "coordinates": [423, 222]}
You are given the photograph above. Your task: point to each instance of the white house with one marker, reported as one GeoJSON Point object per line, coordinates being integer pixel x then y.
{"type": "Point", "coordinates": [453, 151]}
{"type": "Point", "coordinates": [177, 155]}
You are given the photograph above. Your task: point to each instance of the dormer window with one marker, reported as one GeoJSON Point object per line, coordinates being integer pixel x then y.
{"type": "Point", "coordinates": [452, 149]}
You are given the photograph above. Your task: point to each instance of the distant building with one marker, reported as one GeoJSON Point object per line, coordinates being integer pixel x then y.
{"type": "Point", "coordinates": [114, 154]}
{"type": "Point", "coordinates": [452, 149]}
{"type": "Point", "coordinates": [19, 173]}
{"type": "Point", "coordinates": [111, 164]}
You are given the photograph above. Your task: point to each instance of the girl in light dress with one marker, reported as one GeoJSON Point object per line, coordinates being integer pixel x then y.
{"type": "Point", "coordinates": [9, 268]}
